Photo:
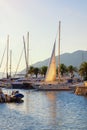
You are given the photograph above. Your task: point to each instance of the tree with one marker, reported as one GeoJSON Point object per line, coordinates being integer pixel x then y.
{"type": "Point", "coordinates": [72, 69]}
{"type": "Point", "coordinates": [63, 69]}
{"type": "Point", "coordinates": [36, 71]}
{"type": "Point", "coordinates": [43, 70]}
{"type": "Point", "coordinates": [31, 70]}
{"type": "Point", "coordinates": [83, 70]}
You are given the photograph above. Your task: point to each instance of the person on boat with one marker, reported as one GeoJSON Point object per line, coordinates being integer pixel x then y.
{"type": "Point", "coordinates": [14, 97]}
{"type": "Point", "coordinates": [16, 92]}
{"type": "Point", "coordinates": [13, 93]}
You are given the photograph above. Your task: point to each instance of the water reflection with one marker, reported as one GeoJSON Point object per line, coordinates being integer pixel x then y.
{"type": "Point", "coordinates": [49, 110]}
{"type": "Point", "coordinates": [41, 105]}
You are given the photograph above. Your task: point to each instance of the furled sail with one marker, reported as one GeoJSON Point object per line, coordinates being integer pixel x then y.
{"type": "Point", "coordinates": [51, 72]}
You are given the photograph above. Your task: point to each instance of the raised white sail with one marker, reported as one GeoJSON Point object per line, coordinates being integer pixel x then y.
{"type": "Point", "coordinates": [50, 82]}
{"type": "Point", "coordinates": [51, 72]}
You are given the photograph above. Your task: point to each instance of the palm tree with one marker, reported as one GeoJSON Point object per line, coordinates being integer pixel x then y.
{"type": "Point", "coordinates": [83, 70]}
{"type": "Point", "coordinates": [71, 70]}
{"type": "Point", "coordinates": [36, 71]}
{"type": "Point", "coordinates": [63, 69]}
{"type": "Point", "coordinates": [31, 70]}
{"type": "Point", "coordinates": [43, 70]}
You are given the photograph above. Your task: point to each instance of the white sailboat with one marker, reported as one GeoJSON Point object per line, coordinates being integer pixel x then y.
{"type": "Point", "coordinates": [51, 72]}
{"type": "Point", "coordinates": [50, 82]}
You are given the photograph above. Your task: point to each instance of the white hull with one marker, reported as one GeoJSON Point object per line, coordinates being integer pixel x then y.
{"type": "Point", "coordinates": [53, 87]}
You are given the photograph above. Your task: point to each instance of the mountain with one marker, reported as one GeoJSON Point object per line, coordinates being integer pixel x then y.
{"type": "Point", "coordinates": [75, 59]}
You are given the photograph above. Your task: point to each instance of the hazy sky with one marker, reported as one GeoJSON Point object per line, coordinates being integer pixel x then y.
{"type": "Point", "coordinates": [41, 19]}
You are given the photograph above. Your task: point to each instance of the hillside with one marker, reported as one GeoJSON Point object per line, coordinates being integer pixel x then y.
{"type": "Point", "coordinates": [75, 59]}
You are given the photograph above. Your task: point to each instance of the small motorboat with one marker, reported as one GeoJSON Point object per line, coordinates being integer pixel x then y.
{"type": "Point", "coordinates": [14, 97]}
{"type": "Point", "coordinates": [17, 97]}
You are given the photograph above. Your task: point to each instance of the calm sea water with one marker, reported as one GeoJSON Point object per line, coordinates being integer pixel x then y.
{"type": "Point", "coordinates": [45, 111]}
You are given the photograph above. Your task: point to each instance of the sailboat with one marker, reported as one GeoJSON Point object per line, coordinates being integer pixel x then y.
{"type": "Point", "coordinates": [51, 82]}
{"type": "Point", "coordinates": [51, 71]}
{"type": "Point", "coordinates": [24, 82]}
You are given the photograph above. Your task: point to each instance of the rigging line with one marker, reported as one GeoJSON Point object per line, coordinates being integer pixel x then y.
{"type": "Point", "coordinates": [4, 70]}
{"type": "Point", "coordinates": [56, 34]}
{"type": "Point", "coordinates": [19, 62]}
{"type": "Point", "coordinates": [2, 57]}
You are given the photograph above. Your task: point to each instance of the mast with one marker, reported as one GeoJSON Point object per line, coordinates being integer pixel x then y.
{"type": "Point", "coordinates": [19, 62]}
{"type": "Point", "coordinates": [2, 57]}
{"type": "Point", "coordinates": [10, 61]}
{"type": "Point", "coordinates": [59, 53]}
{"type": "Point", "coordinates": [7, 55]}
{"type": "Point", "coordinates": [27, 52]}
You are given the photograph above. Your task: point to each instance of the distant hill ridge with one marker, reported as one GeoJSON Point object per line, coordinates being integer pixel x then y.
{"type": "Point", "coordinates": [75, 59]}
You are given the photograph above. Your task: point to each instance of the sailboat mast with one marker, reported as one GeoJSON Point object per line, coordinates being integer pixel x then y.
{"type": "Point", "coordinates": [59, 52]}
{"type": "Point", "coordinates": [19, 62]}
{"type": "Point", "coordinates": [27, 51]}
{"type": "Point", "coordinates": [10, 61]}
{"type": "Point", "coordinates": [7, 54]}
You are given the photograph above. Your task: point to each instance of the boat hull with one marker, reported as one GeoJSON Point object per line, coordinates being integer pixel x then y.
{"type": "Point", "coordinates": [24, 85]}
{"type": "Point", "coordinates": [52, 87]}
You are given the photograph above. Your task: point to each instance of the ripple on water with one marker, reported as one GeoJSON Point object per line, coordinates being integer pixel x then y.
{"type": "Point", "coordinates": [45, 111]}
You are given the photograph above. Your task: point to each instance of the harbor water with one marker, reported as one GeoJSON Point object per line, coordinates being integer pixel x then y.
{"type": "Point", "coordinates": [45, 110]}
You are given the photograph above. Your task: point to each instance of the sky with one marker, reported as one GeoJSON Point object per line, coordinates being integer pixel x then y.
{"type": "Point", "coordinates": [41, 19]}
